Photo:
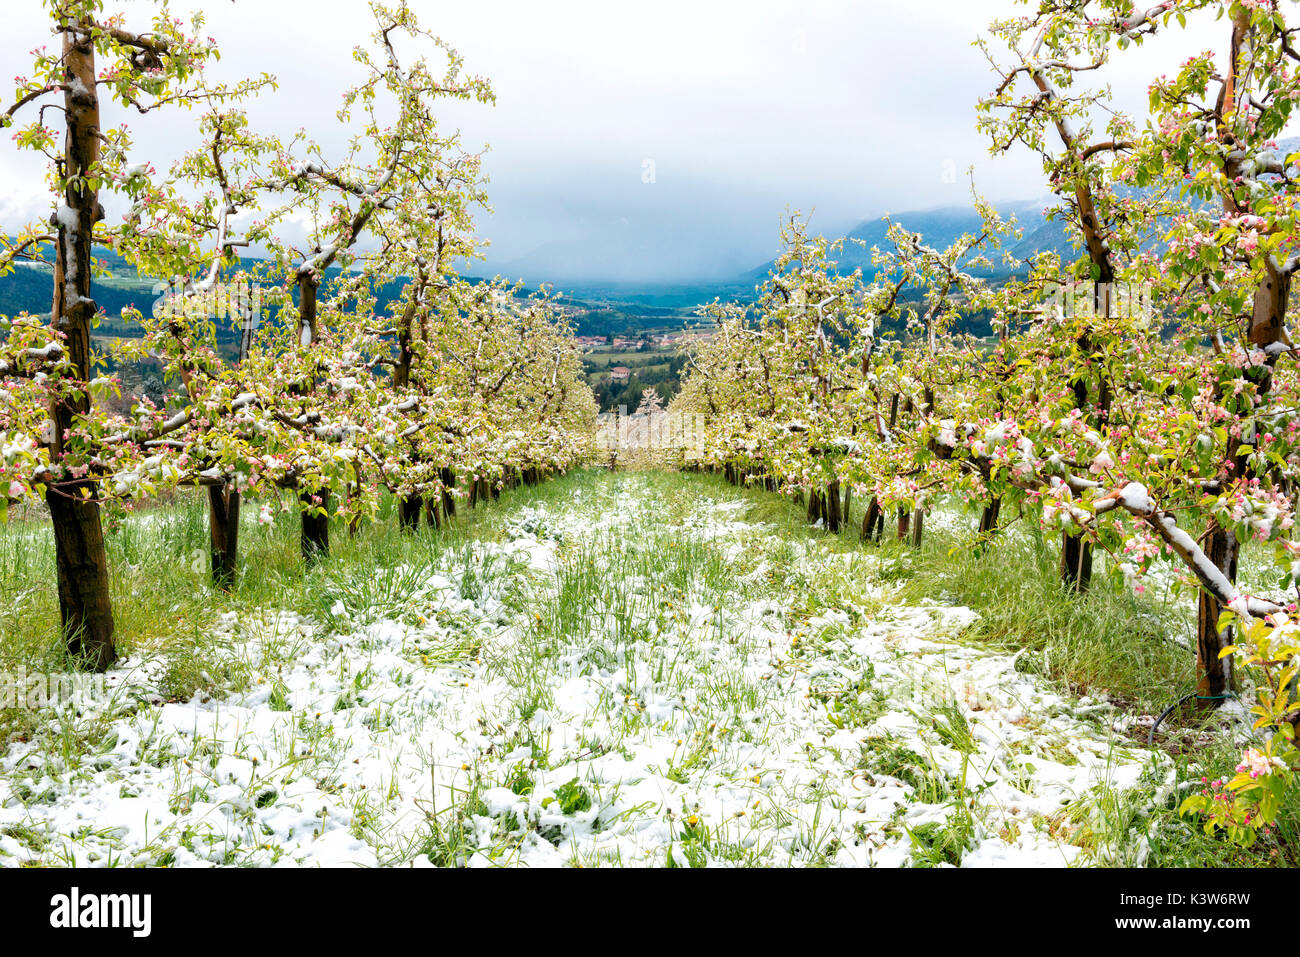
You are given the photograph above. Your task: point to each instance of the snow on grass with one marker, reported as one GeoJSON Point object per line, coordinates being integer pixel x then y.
{"type": "Point", "coordinates": [623, 678]}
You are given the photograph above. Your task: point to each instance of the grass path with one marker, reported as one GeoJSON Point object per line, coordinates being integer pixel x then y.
{"type": "Point", "coordinates": [614, 669]}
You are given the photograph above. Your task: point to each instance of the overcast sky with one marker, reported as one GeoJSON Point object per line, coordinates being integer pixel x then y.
{"type": "Point", "coordinates": [746, 108]}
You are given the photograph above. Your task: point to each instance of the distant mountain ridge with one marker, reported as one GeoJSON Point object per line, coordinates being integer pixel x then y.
{"type": "Point", "coordinates": [617, 306]}
{"type": "Point", "coordinates": [603, 306]}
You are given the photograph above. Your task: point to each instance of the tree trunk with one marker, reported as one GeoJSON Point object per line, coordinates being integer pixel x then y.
{"type": "Point", "coordinates": [432, 517]}
{"type": "Point", "coordinates": [408, 513]}
{"type": "Point", "coordinates": [315, 528]}
{"type": "Point", "coordinates": [1215, 675]}
{"type": "Point", "coordinates": [402, 368]}
{"type": "Point", "coordinates": [1076, 551]}
{"type": "Point", "coordinates": [904, 523]}
{"type": "Point", "coordinates": [918, 523]}
{"type": "Point", "coordinates": [81, 560]}
{"type": "Point", "coordinates": [1076, 563]}
{"type": "Point", "coordinates": [354, 494]}
{"type": "Point", "coordinates": [989, 517]}
{"type": "Point", "coordinates": [82, 564]}
{"type": "Point", "coordinates": [308, 286]}
{"type": "Point", "coordinates": [448, 479]}
{"type": "Point", "coordinates": [833, 506]}
{"type": "Point", "coordinates": [223, 501]}
{"type": "Point", "coordinates": [873, 524]}
{"type": "Point", "coordinates": [223, 534]}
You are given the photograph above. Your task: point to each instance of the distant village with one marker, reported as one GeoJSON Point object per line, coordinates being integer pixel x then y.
{"type": "Point", "coordinates": [660, 340]}
{"type": "Point", "coordinates": [622, 369]}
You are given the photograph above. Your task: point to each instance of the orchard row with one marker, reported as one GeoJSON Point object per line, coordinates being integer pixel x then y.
{"type": "Point", "coordinates": [1152, 427]}
{"type": "Point", "coordinates": [454, 390]}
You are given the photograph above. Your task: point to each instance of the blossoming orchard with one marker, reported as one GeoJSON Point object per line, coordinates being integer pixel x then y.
{"type": "Point", "coordinates": [465, 388]}
{"type": "Point", "coordinates": [1136, 404]}
{"type": "Point", "coordinates": [1162, 435]}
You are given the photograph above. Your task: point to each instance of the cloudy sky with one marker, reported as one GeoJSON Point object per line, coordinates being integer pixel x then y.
{"type": "Point", "coordinates": [740, 108]}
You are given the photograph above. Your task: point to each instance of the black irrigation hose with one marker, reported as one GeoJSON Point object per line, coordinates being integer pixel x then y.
{"type": "Point", "coordinates": [1151, 735]}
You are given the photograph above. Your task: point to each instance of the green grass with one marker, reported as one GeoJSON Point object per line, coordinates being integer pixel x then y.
{"type": "Point", "coordinates": [164, 606]}
{"type": "Point", "coordinates": [1110, 643]}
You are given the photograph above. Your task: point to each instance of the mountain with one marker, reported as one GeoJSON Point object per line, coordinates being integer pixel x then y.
{"type": "Point", "coordinates": [599, 304]}
{"type": "Point", "coordinates": [606, 295]}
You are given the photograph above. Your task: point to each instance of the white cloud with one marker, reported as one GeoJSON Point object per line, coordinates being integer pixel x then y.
{"type": "Point", "coordinates": [744, 106]}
